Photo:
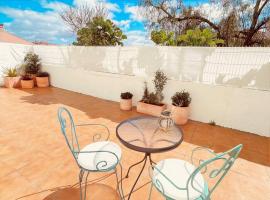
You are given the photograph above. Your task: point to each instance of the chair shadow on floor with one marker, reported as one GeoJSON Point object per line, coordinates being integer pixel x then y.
{"type": "Point", "coordinates": [68, 193]}
{"type": "Point", "coordinates": [94, 191]}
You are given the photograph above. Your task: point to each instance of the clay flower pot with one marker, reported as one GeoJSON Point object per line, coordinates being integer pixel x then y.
{"type": "Point", "coordinates": [180, 115]}
{"type": "Point", "coordinates": [42, 81]}
{"type": "Point", "coordinates": [150, 109]}
{"type": "Point", "coordinates": [26, 84]}
{"type": "Point", "coordinates": [125, 104]}
{"type": "Point", "coordinates": [12, 82]}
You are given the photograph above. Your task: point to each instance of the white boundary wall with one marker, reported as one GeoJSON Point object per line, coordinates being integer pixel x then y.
{"type": "Point", "coordinates": [228, 85]}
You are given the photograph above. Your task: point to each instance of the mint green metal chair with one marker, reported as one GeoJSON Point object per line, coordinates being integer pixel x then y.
{"type": "Point", "coordinates": [180, 180]}
{"type": "Point", "coordinates": [99, 156]}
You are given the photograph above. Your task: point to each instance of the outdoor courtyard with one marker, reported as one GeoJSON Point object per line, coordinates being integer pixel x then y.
{"type": "Point", "coordinates": [37, 164]}
{"type": "Point", "coordinates": [135, 100]}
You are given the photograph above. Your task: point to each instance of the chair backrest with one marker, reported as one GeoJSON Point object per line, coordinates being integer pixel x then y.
{"type": "Point", "coordinates": [226, 160]}
{"type": "Point", "coordinates": [69, 130]}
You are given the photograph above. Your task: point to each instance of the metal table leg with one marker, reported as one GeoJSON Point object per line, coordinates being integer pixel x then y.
{"type": "Point", "coordinates": [151, 161]}
{"type": "Point", "coordinates": [147, 155]}
{"type": "Point", "coordinates": [144, 158]}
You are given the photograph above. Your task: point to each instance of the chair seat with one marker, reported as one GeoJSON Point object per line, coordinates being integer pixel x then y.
{"type": "Point", "coordinates": [178, 171]}
{"type": "Point", "coordinates": [100, 161]}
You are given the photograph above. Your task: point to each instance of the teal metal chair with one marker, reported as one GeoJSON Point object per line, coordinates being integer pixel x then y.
{"type": "Point", "coordinates": [99, 156]}
{"type": "Point", "coordinates": [180, 180]}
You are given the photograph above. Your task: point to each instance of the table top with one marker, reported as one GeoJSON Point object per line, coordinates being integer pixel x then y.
{"type": "Point", "coordinates": [144, 134]}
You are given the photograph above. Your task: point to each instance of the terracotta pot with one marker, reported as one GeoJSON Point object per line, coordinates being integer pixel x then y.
{"type": "Point", "coordinates": [180, 114]}
{"type": "Point", "coordinates": [125, 104]}
{"type": "Point", "coordinates": [42, 81]}
{"type": "Point", "coordinates": [27, 84]}
{"type": "Point", "coordinates": [12, 82]}
{"type": "Point", "coordinates": [150, 109]}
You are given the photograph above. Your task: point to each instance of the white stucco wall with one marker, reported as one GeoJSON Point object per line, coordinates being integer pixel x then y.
{"type": "Point", "coordinates": [228, 85]}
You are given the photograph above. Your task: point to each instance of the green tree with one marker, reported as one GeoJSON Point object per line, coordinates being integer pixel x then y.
{"type": "Point", "coordinates": [239, 22]}
{"type": "Point", "coordinates": [100, 32]}
{"type": "Point", "coordinates": [199, 37]}
{"type": "Point", "coordinates": [163, 38]}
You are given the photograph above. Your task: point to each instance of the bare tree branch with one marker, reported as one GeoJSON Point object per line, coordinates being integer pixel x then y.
{"type": "Point", "coordinates": [77, 17]}
{"type": "Point", "coordinates": [263, 6]}
{"type": "Point", "coordinates": [262, 23]}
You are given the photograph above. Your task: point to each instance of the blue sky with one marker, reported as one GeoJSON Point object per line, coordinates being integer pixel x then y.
{"type": "Point", "coordinates": [39, 19]}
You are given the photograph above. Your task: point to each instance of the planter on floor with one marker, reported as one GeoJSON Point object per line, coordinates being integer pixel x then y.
{"type": "Point", "coordinates": [180, 107]}
{"type": "Point", "coordinates": [125, 104]}
{"type": "Point", "coordinates": [42, 81]}
{"type": "Point", "coordinates": [180, 115]}
{"type": "Point", "coordinates": [150, 109]}
{"type": "Point", "coordinates": [126, 101]}
{"type": "Point", "coordinates": [12, 82]}
{"type": "Point", "coordinates": [26, 84]}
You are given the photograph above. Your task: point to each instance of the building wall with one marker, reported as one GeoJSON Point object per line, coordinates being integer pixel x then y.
{"type": "Point", "coordinates": [230, 86]}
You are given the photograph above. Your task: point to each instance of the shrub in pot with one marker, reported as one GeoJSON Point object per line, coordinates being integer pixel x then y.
{"type": "Point", "coordinates": [11, 79]}
{"type": "Point", "coordinates": [151, 102]}
{"type": "Point", "coordinates": [180, 107]}
{"type": "Point", "coordinates": [42, 79]}
{"type": "Point", "coordinates": [126, 101]}
{"type": "Point", "coordinates": [31, 65]}
{"type": "Point", "coordinates": [27, 82]}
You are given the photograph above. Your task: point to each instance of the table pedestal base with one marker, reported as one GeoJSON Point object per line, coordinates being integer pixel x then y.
{"type": "Point", "coordinates": [144, 160]}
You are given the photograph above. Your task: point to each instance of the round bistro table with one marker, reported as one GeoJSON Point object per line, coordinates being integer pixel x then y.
{"type": "Point", "coordinates": [144, 134]}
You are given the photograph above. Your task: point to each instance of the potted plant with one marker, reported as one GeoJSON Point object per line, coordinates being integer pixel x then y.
{"type": "Point", "coordinates": [126, 101]}
{"type": "Point", "coordinates": [151, 103]}
{"type": "Point", "coordinates": [27, 82]}
{"type": "Point", "coordinates": [11, 79]}
{"type": "Point", "coordinates": [180, 107]}
{"type": "Point", "coordinates": [42, 79]}
{"type": "Point", "coordinates": [31, 65]}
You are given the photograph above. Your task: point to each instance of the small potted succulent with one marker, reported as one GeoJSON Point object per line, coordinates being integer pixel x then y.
{"type": "Point", "coordinates": [126, 101]}
{"type": "Point", "coordinates": [42, 79]}
{"type": "Point", "coordinates": [31, 65]}
{"type": "Point", "coordinates": [11, 79]}
{"type": "Point", "coordinates": [151, 102]}
{"type": "Point", "coordinates": [180, 107]}
{"type": "Point", "coordinates": [27, 82]}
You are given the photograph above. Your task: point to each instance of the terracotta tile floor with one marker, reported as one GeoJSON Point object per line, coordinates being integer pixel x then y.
{"type": "Point", "coordinates": [36, 164]}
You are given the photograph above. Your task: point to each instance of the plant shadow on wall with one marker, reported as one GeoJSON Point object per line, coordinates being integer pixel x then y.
{"type": "Point", "coordinates": [85, 58]}
{"type": "Point", "coordinates": [140, 61]}
{"type": "Point", "coordinates": [179, 63]}
{"type": "Point", "coordinates": [19, 55]}
{"type": "Point", "coordinates": [99, 59]}
{"type": "Point", "coordinates": [149, 60]}
{"type": "Point", "coordinates": [255, 78]}
{"type": "Point", "coordinates": [193, 61]}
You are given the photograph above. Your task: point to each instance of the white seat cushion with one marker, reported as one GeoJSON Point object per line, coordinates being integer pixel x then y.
{"type": "Point", "coordinates": [178, 171]}
{"type": "Point", "coordinates": [101, 160]}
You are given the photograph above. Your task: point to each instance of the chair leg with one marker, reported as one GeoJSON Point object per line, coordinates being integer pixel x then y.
{"type": "Point", "coordinates": [80, 182]}
{"type": "Point", "coordinates": [85, 185]}
{"type": "Point", "coordinates": [150, 193]}
{"type": "Point", "coordinates": [81, 175]}
{"type": "Point", "coordinates": [119, 186]}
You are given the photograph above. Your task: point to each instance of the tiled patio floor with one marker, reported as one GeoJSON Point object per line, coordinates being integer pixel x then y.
{"type": "Point", "coordinates": [36, 164]}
